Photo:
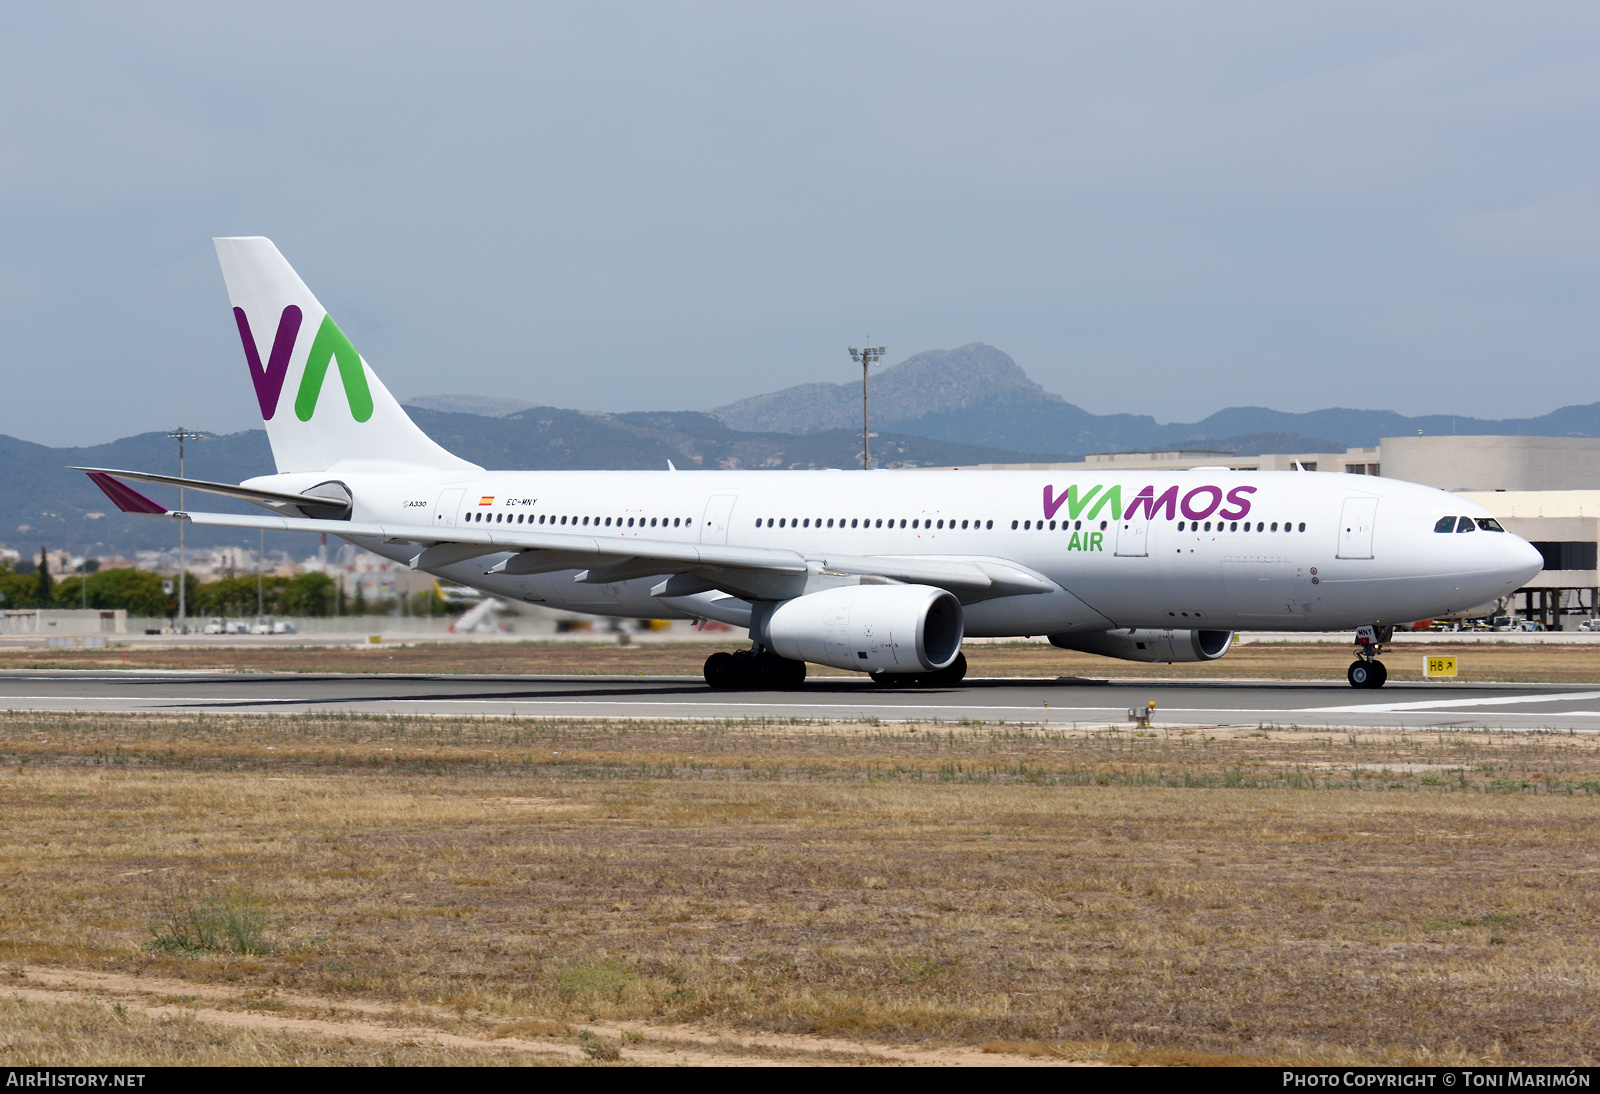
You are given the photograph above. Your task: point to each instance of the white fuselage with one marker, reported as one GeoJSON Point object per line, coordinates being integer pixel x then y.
{"type": "Point", "coordinates": [1322, 551]}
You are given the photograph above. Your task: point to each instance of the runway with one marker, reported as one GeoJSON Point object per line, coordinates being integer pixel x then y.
{"type": "Point", "coordinates": [1525, 707]}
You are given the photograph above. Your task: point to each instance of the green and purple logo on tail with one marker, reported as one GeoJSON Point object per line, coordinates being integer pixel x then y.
{"type": "Point", "coordinates": [330, 345]}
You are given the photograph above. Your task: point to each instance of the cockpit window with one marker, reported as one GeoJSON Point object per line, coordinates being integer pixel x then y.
{"type": "Point", "coordinates": [1489, 524]}
{"type": "Point", "coordinates": [1446, 524]}
{"type": "Point", "coordinates": [1465, 525]}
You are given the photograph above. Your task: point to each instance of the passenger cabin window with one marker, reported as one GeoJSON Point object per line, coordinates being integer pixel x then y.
{"type": "Point", "coordinates": [1465, 525]}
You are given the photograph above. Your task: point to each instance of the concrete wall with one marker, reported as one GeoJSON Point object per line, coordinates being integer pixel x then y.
{"type": "Point", "coordinates": [53, 622]}
{"type": "Point", "coordinates": [1494, 463]}
{"type": "Point", "coordinates": [1364, 459]}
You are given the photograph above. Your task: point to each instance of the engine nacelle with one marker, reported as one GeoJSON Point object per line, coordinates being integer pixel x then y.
{"type": "Point", "coordinates": [893, 628]}
{"type": "Point", "coordinates": [1148, 644]}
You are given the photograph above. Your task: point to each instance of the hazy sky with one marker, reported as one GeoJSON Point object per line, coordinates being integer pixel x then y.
{"type": "Point", "coordinates": [1164, 209]}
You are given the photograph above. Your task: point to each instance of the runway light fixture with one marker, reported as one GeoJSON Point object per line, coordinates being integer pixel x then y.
{"type": "Point", "coordinates": [867, 357]}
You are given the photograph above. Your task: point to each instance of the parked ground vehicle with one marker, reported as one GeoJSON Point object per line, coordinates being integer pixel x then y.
{"type": "Point", "coordinates": [216, 626]}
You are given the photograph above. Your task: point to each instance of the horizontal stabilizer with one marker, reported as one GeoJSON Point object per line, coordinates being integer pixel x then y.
{"type": "Point", "coordinates": [270, 498]}
{"type": "Point", "coordinates": [125, 497]}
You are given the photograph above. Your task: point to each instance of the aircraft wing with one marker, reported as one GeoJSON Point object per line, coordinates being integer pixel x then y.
{"type": "Point", "coordinates": [760, 572]}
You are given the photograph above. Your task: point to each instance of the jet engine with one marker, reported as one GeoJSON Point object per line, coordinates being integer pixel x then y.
{"type": "Point", "coordinates": [1148, 644]}
{"type": "Point", "coordinates": [871, 628]}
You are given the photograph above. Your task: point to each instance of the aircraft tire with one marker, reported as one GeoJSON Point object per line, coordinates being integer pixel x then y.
{"type": "Point", "coordinates": [947, 677]}
{"type": "Point", "coordinates": [952, 674]}
{"type": "Point", "coordinates": [780, 673]}
{"type": "Point", "coordinates": [1365, 674]}
{"type": "Point", "coordinates": [722, 671]}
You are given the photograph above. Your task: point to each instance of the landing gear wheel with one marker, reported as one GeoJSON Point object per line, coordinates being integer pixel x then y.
{"type": "Point", "coordinates": [748, 669]}
{"type": "Point", "coordinates": [1367, 674]}
{"type": "Point", "coordinates": [953, 673]}
{"type": "Point", "coordinates": [947, 677]}
{"type": "Point", "coordinates": [774, 673]}
{"type": "Point", "coordinates": [722, 671]}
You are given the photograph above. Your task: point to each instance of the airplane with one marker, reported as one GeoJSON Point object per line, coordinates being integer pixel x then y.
{"type": "Point", "coordinates": [884, 572]}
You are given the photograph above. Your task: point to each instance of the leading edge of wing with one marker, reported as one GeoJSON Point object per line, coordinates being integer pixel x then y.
{"type": "Point", "coordinates": [497, 539]}
{"type": "Point", "coordinates": [995, 574]}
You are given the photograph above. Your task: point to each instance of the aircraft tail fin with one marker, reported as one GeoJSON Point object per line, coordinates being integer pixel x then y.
{"type": "Point", "coordinates": [322, 404]}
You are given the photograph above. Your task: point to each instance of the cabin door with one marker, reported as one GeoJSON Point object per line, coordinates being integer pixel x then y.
{"type": "Point", "coordinates": [714, 526]}
{"type": "Point", "coordinates": [1355, 527]}
{"type": "Point", "coordinates": [1133, 535]}
{"type": "Point", "coordinates": [444, 513]}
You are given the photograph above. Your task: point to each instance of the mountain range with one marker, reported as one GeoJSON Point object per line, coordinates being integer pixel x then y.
{"type": "Point", "coordinates": [959, 407]}
{"type": "Point", "coordinates": [976, 393]}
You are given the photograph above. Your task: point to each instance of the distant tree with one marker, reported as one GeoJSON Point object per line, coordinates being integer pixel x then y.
{"type": "Point", "coordinates": [358, 606]}
{"type": "Point", "coordinates": [309, 594]}
{"type": "Point", "coordinates": [138, 592]}
{"type": "Point", "coordinates": [44, 587]}
{"type": "Point", "coordinates": [68, 592]}
{"type": "Point", "coordinates": [236, 596]}
{"type": "Point", "coordinates": [18, 587]}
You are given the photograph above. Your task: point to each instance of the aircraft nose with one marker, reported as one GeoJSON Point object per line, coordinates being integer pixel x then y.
{"type": "Point", "coordinates": [1523, 559]}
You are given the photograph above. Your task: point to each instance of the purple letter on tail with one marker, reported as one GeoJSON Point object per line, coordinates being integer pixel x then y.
{"type": "Point", "coordinates": [269, 381]}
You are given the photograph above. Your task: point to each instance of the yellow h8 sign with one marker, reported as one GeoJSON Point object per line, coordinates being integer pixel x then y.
{"type": "Point", "coordinates": [1439, 666]}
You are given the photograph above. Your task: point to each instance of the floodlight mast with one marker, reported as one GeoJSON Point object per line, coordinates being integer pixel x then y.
{"type": "Point", "coordinates": [180, 435]}
{"type": "Point", "coordinates": [867, 356]}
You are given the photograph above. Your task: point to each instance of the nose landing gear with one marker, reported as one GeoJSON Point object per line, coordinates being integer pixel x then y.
{"type": "Point", "coordinates": [1366, 671]}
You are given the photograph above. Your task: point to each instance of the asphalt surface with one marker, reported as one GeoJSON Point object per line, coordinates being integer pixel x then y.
{"type": "Point", "coordinates": [1066, 701]}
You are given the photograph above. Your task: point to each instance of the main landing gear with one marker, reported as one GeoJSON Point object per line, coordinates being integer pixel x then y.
{"type": "Point", "coordinates": [754, 670]}
{"type": "Point", "coordinates": [1366, 671]}
{"type": "Point", "coordinates": [949, 676]}
{"type": "Point", "coordinates": [763, 670]}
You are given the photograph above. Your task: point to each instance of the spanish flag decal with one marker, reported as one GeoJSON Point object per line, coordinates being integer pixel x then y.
{"type": "Point", "coordinates": [487, 499]}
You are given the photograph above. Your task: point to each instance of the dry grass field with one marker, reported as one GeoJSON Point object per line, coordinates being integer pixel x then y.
{"type": "Point", "coordinates": [1519, 663]}
{"type": "Point", "coordinates": [347, 889]}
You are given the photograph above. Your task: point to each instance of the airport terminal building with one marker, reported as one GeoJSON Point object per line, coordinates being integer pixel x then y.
{"type": "Point", "coordinates": [1544, 489]}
